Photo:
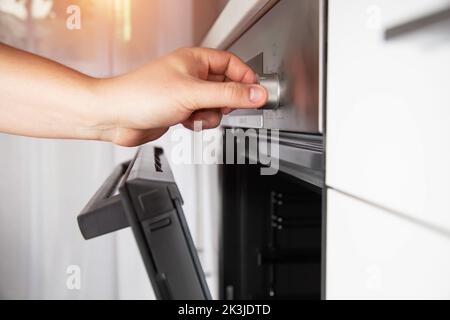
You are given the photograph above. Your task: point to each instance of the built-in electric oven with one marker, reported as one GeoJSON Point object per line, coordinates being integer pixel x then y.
{"type": "Point", "coordinates": [272, 226]}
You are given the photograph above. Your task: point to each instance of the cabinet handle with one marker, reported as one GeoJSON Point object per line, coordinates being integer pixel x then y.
{"type": "Point", "coordinates": [417, 24]}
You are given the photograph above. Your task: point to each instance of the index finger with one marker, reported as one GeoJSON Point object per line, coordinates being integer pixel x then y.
{"type": "Point", "coordinates": [227, 64]}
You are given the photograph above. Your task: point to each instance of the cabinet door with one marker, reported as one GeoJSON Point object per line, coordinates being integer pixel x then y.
{"type": "Point", "coordinates": [388, 105]}
{"type": "Point", "coordinates": [375, 254]}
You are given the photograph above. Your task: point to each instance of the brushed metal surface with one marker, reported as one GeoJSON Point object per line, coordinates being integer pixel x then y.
{"type": "Point", "coordinates": [287, 42]}
{"type": "Point", "coordinates": [300, 155]}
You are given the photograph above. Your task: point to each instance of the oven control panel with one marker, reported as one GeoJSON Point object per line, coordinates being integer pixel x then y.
{"type": "Point", "coordinates": [286, 49]}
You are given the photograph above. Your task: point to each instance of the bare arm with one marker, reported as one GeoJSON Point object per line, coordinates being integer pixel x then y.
{"type": "Point", "coordinates": [41, 98]}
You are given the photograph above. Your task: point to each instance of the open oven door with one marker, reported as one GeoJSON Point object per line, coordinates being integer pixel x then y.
{"type": "Point", "coordinates": [142, 194]}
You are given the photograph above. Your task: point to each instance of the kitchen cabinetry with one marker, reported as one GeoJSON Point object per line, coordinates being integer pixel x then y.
{"type": "Point", "coordinates": [376, 254]}
{"type": "Point", "coordinates": [388, 105]}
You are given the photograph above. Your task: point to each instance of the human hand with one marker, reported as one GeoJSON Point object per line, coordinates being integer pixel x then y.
{"type": "Point", "coordinates": [187, 85]}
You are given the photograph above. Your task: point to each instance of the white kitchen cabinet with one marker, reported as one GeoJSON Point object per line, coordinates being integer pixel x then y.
{"type": "Point", "coordinates": [375, 254]}
{"type": "Point", "coordinates": [388, 107]}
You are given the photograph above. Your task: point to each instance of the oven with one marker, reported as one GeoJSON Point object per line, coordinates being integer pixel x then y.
{"type": "Point", "coordinates": [272, 226]}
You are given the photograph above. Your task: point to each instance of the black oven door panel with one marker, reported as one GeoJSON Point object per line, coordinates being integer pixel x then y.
{"type": "Point", "coordinates": [143, 194]}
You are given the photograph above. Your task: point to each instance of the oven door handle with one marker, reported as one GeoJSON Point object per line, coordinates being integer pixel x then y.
{"type": "Point", "coordinates": [417, 24]}
{"type": "Point", "coordinates": [104, 212]}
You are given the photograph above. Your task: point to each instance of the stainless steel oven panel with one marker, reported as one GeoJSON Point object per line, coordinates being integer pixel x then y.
{"type": "Point", "coordinates": [289, 38]}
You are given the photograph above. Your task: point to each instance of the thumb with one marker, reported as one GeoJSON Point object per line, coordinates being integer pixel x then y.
{"type": "Point", "coordinates": [229, 94]}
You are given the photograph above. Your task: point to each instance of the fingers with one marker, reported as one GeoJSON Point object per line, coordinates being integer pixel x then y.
{"type": "Point", "coordinates": [208, 119]}
{"type": "Point", "coordinates": [220, 78]}
{"type": "Point", "coordinates": [228, 94]}
{"type": "Point", "coordinates": [217, 77]}
{"type": "Point", "coordinates": [226, 110]}
{"type": "Point", "coordinates": [229, 83]}
{"type": "Point", "coordinates": [227, 64]}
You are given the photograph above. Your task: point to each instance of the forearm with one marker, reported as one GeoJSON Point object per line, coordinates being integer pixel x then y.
{"type": "Point", "coordinates": [41, 98]}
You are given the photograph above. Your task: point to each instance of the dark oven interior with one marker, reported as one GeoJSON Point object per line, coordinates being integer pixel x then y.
{"type": "Point", "coordinates": [271, 235]}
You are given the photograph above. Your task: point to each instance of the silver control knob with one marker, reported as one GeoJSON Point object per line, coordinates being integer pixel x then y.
{"type": "Point", "coordinates": [272, 84]}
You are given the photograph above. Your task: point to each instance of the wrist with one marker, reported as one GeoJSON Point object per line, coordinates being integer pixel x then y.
{"type": "Point", "coordinates": [99, 119]}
